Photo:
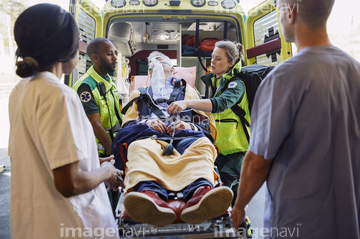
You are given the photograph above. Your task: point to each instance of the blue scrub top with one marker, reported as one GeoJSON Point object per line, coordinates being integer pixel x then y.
{"type": "Point", "coordinates": [306, 117]}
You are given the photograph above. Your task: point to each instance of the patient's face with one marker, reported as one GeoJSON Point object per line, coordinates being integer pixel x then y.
{"type": "Point", "coordinates": [168, 68]}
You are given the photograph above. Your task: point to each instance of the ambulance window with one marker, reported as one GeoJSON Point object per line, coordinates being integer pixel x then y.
{"type": "Point", "coordinates": [266, 28]}
{"type": "Point", "coordinates": [86, 26]}
{"type": "Point", "coordinates": [210, 29]}
{"type": "Point", "coordinates": [142, 67]}
{"type": "Point", "coordinates": [87, 33]}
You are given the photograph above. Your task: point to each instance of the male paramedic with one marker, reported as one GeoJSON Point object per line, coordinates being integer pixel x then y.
{"type": "Point", "coordinates": [305, 135]}
{"type": "Point", "coordinates": [185, 164]}
{"type": "Point", "coordinates": [99, 95]}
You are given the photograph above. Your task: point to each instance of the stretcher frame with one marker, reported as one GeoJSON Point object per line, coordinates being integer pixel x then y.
{"type": "Point", "coordinates": [220, 227]}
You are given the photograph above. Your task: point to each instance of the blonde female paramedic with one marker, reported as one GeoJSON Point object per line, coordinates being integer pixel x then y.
{"type": "Point", "coordinates": [223, 92]}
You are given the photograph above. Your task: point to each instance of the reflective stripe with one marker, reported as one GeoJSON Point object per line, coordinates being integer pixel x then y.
{"type": "Point", "coordinates": [105, 104]}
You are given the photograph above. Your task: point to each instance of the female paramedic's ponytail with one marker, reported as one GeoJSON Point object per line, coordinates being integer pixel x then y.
{"type": "Point", "coordinates": [234, 50]}
{"type": "Point", "coordinates": [45, 47]}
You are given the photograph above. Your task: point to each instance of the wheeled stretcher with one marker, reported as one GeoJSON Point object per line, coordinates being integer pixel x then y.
{"type": "Point", "coordinates": [220, 227]}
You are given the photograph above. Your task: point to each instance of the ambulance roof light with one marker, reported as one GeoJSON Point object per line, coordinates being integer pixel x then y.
{"type": "Point", "coordinates": [118, 3]}
{"type": "Point", "coordinates": [213, 3]}
{"type": "Point", "coordinates": [150, 3]}
{"type": "Point", "coordinates": [134, 2]}
{"type": "Point", "coordinates": [198, 3]}
{"type": "Point", "coordinates": [228, 4]}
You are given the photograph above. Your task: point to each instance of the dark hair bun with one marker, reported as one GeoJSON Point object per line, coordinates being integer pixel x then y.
{"type": "Point", "coordinates": [47, 33]}
{"type": "Point", "coordinates": [27, 67]}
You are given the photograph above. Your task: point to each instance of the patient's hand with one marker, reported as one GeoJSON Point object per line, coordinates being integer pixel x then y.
{"type": "Point", "coordinates": [178, 126]}
{"type": "Point", "coordinates": [157, 125]}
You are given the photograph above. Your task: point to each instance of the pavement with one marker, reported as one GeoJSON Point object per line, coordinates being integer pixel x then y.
{"type": "Point", "coordinates": [7, 83]}
{"type": "Point", "coordinates": [256, 212]}
{"type": "Point", "coordinates": [5, 195]}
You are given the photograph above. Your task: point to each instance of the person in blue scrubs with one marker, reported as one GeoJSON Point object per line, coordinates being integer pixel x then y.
{"type": "Point", "coordinates": [305, 135]}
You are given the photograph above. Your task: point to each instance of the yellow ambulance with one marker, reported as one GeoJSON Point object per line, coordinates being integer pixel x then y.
{"type": "Point", "coordinates": [137, 27]}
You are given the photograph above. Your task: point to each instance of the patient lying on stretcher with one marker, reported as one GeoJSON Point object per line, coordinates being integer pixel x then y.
{"type": "Point", "coordinates": [154, 167]}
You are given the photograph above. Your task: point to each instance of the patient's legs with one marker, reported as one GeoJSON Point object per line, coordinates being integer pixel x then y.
{"type": "Point", "coordinates": [147, 162]}
{"type": "Point", "coordinates": [148, 203]}
{"type": "Point", "coordinates": [183, 144]}
{"type": "Point", "coordinates": [188, 191]}
{"type": "Point", "coordinates": [152, 186]}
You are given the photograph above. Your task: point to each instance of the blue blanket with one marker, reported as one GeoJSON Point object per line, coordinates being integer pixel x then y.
{"type": "Point", "coordinates": [131, 133]}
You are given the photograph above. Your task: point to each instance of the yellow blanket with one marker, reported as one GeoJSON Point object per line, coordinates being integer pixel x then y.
{"type": "Point", "coordinates": [146, 161]}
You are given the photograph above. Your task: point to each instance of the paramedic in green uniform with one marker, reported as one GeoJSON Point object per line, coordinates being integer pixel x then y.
{"type": "Point", "coordinates": [99, 95]}
{"type": "Point", "coordinates": [231, 140]}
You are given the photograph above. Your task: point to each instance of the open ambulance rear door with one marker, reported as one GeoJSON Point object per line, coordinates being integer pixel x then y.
{"type": "Point", "coordinates": [89, 20]}
{"type": "Point", "coordinates": [265, 44]}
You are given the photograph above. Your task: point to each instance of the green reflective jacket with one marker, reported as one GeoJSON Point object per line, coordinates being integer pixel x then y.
{"type": "Point", "coordinates": [231, 137]}
{"type": "Point", "coordinates": [111, 121]}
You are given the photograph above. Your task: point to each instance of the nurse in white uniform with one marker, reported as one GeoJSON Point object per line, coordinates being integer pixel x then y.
{"type": "Point", "coordinates": [57, 183]}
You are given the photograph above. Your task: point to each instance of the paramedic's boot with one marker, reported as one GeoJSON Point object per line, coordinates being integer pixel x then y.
{"type": "Point", "coordinates": [207, 203]}
{"type": "Point", "coordinates": [148, 207]}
